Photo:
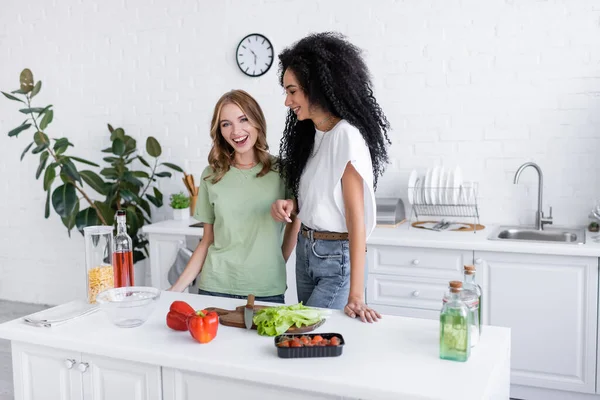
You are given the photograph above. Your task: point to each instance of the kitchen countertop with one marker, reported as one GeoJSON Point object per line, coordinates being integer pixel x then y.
{"type": "Point", "coordinates": [394, 358]}
{"type": "Point", "coordinates": [407, 236]}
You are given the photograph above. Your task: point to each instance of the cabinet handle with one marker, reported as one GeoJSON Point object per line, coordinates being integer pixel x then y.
{"type": "Point", "coordinates": [415, 261]}
{"type": "Point", "coordinates": [69, 363]}
{"type": "Point", "coordinates": [82, 367]}
{"type": "Point", "coordinates": [416, 293]}
{"type": "Point", "coordinates": [478, 261]}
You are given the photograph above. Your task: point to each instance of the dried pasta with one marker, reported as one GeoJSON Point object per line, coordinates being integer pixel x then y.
{"type": "Point", "coordinates": [99, 279]}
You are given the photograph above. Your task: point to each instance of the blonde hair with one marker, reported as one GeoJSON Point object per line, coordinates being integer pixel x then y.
{"type": "Point", "coordinates": [221, 154]}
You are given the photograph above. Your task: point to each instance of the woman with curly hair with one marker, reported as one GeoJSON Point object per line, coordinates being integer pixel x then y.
{"type": "Point", "coordinates": [333, 149]}
{"type": "Point", "coordinates": [243, 250]}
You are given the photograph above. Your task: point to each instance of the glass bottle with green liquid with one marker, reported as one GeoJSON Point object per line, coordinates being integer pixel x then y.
{"type": "Point", "coordinates": [455, 331]}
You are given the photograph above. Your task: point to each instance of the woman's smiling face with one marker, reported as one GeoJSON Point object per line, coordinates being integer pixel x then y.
{"type": "Point", "coordinates": [295, 98]}
{"type": "Point", "coordinates": [236, 128]}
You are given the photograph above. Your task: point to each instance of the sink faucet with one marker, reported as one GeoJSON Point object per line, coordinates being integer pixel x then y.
{"type": "Point", "coordinates": [540, 220]}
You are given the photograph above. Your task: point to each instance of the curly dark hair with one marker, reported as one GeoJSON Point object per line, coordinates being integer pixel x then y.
{"type": "Point", "coordinates": [334, 77]}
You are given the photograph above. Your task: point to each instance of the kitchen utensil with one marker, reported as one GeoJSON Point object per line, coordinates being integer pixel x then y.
{"type": "Point", "coordinates": [249, 312]}
{"type": "Point", "coordinates": [235, 318]}
{"type": "Point", "coordinates": [128, 307]}
{"type": "Point", "coordinates": [390, 211]}
{"type": "Point", "coordinates": [454, 226]}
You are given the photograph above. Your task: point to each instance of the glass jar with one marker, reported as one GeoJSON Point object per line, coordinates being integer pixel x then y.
{"type": "Point", "coordinates": [99, 272]}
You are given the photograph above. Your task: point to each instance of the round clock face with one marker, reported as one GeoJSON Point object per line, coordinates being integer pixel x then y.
{"type": "Point", "coordinates": [254, 55]}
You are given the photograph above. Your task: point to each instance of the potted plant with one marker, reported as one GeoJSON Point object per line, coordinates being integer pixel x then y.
{"type": "Point", "coordinates": [82, 197]}
{"type": "Point", "coordinates": [180, 203]}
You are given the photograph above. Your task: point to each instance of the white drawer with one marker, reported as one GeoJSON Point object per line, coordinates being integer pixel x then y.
{"type": "Point", "coordinates": [416, 261]}
{"type": "Point", "coordinates": [406, 312]}
{"type": "Point", "coordinates": [414, 292]}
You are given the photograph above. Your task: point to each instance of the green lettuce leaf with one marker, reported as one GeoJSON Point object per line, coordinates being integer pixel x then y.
{"type": "Point", "coordinates": [274, 321]}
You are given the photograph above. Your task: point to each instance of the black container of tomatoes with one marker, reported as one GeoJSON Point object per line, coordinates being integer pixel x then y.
{"type": "Point", "coordinates": [309, 345]}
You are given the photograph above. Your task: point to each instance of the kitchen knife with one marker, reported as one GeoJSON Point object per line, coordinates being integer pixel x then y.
{"type": "Point", "coordinates": [249, 312]}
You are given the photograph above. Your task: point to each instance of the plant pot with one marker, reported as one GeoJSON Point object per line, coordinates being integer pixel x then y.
{"type": "Point", "coordinates": [181, 214]}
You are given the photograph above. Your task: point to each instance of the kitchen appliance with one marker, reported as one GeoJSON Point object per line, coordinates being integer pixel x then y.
{"type": "Point", "coordinates": [390, 211]}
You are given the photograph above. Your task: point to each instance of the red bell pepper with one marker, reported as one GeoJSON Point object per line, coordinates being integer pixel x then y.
{"type": "Point", "coordinates": [203, 325]}
{"type": "Point", "coordinates": [178, 314]}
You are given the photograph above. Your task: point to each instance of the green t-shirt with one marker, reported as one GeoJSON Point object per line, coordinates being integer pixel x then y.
{"type": "Point", "coordinates": [245, 256]}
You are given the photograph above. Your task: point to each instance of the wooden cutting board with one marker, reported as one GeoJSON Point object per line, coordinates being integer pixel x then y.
{"type": "Point", "coordinates": [235, 318]}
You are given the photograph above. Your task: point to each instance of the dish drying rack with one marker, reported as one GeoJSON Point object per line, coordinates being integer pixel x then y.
{"type": "Point", "coordinates": [449, 202]}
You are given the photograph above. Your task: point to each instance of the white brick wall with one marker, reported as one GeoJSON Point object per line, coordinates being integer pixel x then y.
{"type": "Point", "coordinates": [485, 84]}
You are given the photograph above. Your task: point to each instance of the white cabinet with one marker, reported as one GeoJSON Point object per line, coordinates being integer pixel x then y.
{"type": "Point", "coordinates": [551, 304]}
{"type": "Point", "coordinates": [411, 281]}
{"type": "Point", "coordinates": [186, 385]}
{"type": "Point", "coordinates": [46, 374]}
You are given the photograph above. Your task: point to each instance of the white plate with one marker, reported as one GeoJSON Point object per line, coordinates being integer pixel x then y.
{"type": "Point", "coordinates": [412, 180]}
{"type": "Point", "coordinates": [427, 186]}
{"type": "Point", "coordinates": [456, 184]}
{"type": "Point", "coordinates": [441, 184]}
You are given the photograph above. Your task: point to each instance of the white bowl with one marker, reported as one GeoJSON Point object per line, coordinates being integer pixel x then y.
{"type": "Point", "coordinates": [127, 307]}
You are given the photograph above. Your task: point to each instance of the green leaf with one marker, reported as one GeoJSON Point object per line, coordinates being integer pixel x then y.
{"type": "Point", "coordinates": [130, 144]}
{"type": "Point", "coordinates": [18, 130]}
{"type": "Point", "coordinates": [36, 89]}
{"type": "Point", "coordinates": [154, 200]}
{"type": "Point", "coordinates": [26, 80]}
{"type": "Point", "coordinates": [69, 220]}
{"type": "Point", "coordinates": [42, 165]}
{"type": "Point", "coordinates": [94, 181]}
{"type": "Point", "coordinates": [44, 110]}
{"type": "Point", "coordinates": [47, 206]}
{"type": "Point", "coordinates": [110, 159]}
{"type": "Point", "coordinates": [64, 200]}
{"type": "Point", "coordinates": [138, 256]}
{"type": "Point", "coordinates": [132, 220]}
{"type": "Point", "coordinates": [31, 110]}
{"type": "Point", "coordinates": [164, 174]}
{"type": "Point", "coordinates": [19, 91]}
{"type": "Point", "coordinates": [118, 147]}
{"type": "Point", "coordinates": [110, 173]}
{"type": "Point", "coordinates": [141, 174]}
{"type": "Point", "coordinates": [128, 177]}
{"type": "Point", "coordinates": [86, 217]}
{"type": "Point", "coordinates": [47, 119]}
{"type": "Point", "coordinates": [106, 211]}
{"type": "Point", "coordinates": [143, 161]}
{"type": "Point", "coordinates": [61, 145]}
{"type": "Point", "coordinates": [127, 195]}
{"type": "Point", "coordinates": [172, 166]}
{"type": "Point", "coordinates": [11, 97]}
{"type": "Point", "coordinates": [81, 160]}
{"type": "Point", "coordinates": [41, 138]}
{"type": "Point", "coordinates": [26, 150]}
{"type": "Point", "coordinates": [107, 150]}
{"type": "Point", "coordinates": [49, 177]}
{"type": "Point", "coordinates": [153, 147]}
{"type": "Point", "coordinates": [39, 148]}
{"type": "Point", "coordinates": [118, 133]}
{"type": "Point", "coordinates": [69, 169]}
{"type": "Point", "coordinates": [144, 205]}
{"type": "Point", "coordinates": [110, 128]}
{"type": "Point", "coordinates": [158, 194]}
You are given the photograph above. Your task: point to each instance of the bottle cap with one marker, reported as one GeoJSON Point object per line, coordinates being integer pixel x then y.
{"type": "Point", "coordinates": [120, 213]}
{"type": "Point", "coordinates": [469, 269]}
{"type": "Point", "coordinates": [455, 286]}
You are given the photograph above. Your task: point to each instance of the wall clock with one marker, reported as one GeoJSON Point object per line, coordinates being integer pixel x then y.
{"type": "Point", "coordinates": [254, 55]}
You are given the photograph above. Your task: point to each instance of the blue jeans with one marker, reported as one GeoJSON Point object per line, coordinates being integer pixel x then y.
{"type": "Point", "coordinates": [280, 298]}
{"type": "Point", "coordinates": [322, 272]}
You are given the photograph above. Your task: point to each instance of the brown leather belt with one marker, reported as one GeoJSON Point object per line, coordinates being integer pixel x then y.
{"type": "Point", "coordinates": [306, 232]}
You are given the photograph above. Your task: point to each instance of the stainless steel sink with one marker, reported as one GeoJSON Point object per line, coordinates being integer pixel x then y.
{"type": "Point", "coordinates": [530, 234]}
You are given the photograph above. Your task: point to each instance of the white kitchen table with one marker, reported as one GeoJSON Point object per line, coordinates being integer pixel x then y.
{"type": "Point", "coordinates": [395, 358]}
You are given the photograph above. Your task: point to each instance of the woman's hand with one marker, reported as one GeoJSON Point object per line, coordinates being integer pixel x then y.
{"type": "Point", "coordinates": [357, 308]}
{"type": "Point", "coordinates": [281, 210]}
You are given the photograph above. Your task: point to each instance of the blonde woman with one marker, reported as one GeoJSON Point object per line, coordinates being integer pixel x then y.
{"type": "Point", "coordinates": [243, 250]}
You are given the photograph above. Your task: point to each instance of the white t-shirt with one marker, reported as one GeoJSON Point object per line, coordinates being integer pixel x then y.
{"type": "Point", "coordinates": [320, 192]}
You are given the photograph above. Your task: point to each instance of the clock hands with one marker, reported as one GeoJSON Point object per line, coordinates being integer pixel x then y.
{"type": "Point", "coordinates": [254, 54]}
